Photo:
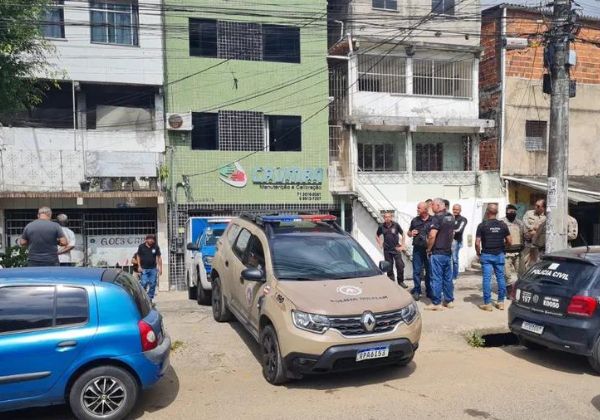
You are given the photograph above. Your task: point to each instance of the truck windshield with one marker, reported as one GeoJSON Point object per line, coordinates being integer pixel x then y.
{"type": "Point", "coordinates": [318, 256]}
{"type": "Point", "coordinates": [213, 236]}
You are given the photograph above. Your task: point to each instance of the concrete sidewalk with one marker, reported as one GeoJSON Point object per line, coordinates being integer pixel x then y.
{"type": "Point", "coordinates": [465, 316]}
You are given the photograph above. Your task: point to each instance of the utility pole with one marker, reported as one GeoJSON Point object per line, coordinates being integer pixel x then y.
{"type": "Point", "coordinates": [558, 147]}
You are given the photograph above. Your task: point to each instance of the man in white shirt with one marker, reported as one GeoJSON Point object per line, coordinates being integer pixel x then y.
{"type": "Point", "coordinates": [64, 252]}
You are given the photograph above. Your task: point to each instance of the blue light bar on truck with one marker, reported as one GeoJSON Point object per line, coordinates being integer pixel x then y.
{"type": "Point", "coordinates": [292, 218]}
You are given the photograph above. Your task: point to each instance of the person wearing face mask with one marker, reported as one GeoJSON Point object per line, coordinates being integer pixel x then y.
{"type": "Point", "coordinates": [514, 264]}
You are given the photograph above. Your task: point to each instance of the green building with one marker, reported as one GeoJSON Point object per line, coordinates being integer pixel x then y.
{"type": "Point", "coordinates": [246, 96]}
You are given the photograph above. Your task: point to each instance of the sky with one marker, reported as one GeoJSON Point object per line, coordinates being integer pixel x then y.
{"type": "Point", "coordinates": [590, 7]}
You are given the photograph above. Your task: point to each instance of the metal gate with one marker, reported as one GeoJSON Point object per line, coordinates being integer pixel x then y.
{"type": "Point", "coordinates": [87, 223]}
{"type": "Point", "coordinates": [178, 215]}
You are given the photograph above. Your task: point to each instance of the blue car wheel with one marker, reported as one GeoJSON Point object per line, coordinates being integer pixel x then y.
{"type": "Point", "coordinates": [106, 392]}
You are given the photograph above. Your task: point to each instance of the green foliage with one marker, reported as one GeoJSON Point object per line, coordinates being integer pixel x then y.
{"type": "Point", "coordinates": [163, 173]}
{"type": "Point", "coordinates": [22, 54]}
{"type": "Point", "coordinates": [474, 339]}
{"type": "Point", "coordinates": [15, 256]}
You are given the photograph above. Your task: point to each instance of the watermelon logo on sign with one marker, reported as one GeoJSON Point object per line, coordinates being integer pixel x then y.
{"type": "Point", "coordinates": [234, 175]}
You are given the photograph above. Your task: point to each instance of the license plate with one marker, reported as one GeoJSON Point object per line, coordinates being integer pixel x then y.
{"type": "Point", "coordinates": [374, 353]}
{"type": "Point", "coordinates": [534, 328]}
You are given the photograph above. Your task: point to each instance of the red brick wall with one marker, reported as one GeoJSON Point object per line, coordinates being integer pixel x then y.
{"type": "Point", "coordinates": [529, 63]}
{"type": "Point", "coordinates": [489, 88]}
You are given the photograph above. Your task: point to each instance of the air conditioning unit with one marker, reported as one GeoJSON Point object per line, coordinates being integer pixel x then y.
{"type": "Point", "coordinates": [179, 121]}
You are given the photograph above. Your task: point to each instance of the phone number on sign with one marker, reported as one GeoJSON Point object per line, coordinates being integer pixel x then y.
{"type": "Point", "coordinates": [309, 196]}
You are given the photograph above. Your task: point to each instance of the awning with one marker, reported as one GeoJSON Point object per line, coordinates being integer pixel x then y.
{"type": "Point", "coordinates": [84, 194]}
{"type": "Point", "coordinates": [582, 189]}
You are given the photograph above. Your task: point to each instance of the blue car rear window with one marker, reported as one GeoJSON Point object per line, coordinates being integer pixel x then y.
{"type": "Point", "coordinates": [134, 289]}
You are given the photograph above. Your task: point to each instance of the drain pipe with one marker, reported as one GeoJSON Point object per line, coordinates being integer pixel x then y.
{"type": "Point", "coordinates": [502, 89]}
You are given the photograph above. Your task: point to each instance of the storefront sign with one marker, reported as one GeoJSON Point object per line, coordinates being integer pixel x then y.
{"type": "Point", "coordinates": [286, 176]}
{"type": "Point", "coordinates": [114, 250]}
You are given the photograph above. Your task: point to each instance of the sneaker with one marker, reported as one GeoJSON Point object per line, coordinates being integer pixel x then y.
{"type": "Point", "coordinates": [499, 306]}
{"type": "Point", "coordinates": [486, 307]}
{"type": "Point", "coordinates": [434, 308]}
{"type": "Point", "coordinates": [448, 305]}
{"type": "Point", "coordinates": [416, 296]}
{"type": "Point", "coordinates": [404, 285]}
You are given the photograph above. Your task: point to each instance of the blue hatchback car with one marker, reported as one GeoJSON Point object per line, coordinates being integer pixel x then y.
{"type": "Point", "coordinates": [82, 336]}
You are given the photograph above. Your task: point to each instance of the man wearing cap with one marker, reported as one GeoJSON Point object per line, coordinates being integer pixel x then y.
{"type": "Point", "coordinates": [149, 264]}
{"type": "Point", "coordinates": [513, 266]}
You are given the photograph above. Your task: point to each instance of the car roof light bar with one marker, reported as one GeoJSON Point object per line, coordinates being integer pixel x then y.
{"type": "Point", "coordinates": [294, 218]}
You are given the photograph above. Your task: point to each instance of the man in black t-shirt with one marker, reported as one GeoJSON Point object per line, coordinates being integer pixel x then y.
{"type": "Point", "coordinates": [460, 222]}
{"type": "Point", "coordinates": [492, 238]}
{"type": "Point", "coordinates": [439, 248]}
{"type": "Point", "coordinates": [149, 264]}
{"type": "Point", "coordinates": [418, 231]}
{"type": "Point", "coordinates": [390, 238]}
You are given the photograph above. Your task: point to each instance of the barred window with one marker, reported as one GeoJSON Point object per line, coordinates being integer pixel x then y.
{"type": "Point", "coordinates": [429, 157]}
{"type": "Point", "coordinates": [243, 41]}
{"type": "Point", "coordinates": [535, 136]}
{"type": "Point", "coordinates": [377, 74]}
{"type": "Point", "coordinates": [377, 157]}
{"type": "Point", "coordinates": [443, 78]}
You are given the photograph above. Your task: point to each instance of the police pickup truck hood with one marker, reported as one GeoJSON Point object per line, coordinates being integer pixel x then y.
{"type": "Point", "coordinates": [346, 296]}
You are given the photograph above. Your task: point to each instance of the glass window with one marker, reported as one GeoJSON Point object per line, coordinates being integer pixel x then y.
{"type": "Point", "coordinates": [213, 236]}
{"type": "Point", "coordinates": [71, 306]}
{"type": "Point", "coordinates": [429, 157]}
{"type": "Point", "coordinates": [134, 289]}
{"type": "Point", "coordinates": [203, 37]}
{"type": "Point", "coordinates": [318, 255]}
{"type": "Point", "coordinates": [53, 21]}
{"type": "Point", "coordinates": [285, 133]}
{"type": "Point", "coordinates": [242, 243]}
{"type": "Point", "coordinates": [442, 7]}
{"type": "Point", "coordinates": [26, 308]}
{"type": "Point", "coordinates": [114, 22]}
{"type": "Point", "coordinates": [205, 131]}
{"type": "Point", "coordinates": [255, 257]}
{"type": "Point", "coordinates": [232, 233]}
{"type": "Point", "coordinates": [281, 43]}
{"type": "Point", "coordinates": [385, 4]}
{"type": "Point", "coordinates": [377, 157]}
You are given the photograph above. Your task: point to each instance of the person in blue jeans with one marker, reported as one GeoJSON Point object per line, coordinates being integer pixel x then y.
{"type": "Point", "coordinates": [493, 237]}
{"type": "Point", "coordinates": [149, 264]}
{"type": "Point", "coordinates": [460, 223]}
{"type": "Point", "coordinates": [439, 248]}
{"type": "Point", "coordinates": [418, 231]}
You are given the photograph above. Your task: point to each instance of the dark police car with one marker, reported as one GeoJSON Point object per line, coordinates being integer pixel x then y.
{"type": "Point", "coordinates": [555, 304]}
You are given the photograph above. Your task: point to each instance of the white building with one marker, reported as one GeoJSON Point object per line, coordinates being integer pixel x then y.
{"type": "Point", "coordinates": [404, 119]}
{"type": "Point", "coordinates": [93, 147]}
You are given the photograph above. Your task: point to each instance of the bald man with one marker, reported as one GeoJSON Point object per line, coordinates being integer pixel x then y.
{"type": "Point", "coordinates": [418, 231]}
{"type": "Point", "coordinates": [493, 237]}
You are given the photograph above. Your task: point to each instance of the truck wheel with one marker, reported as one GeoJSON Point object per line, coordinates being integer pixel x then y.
{"type": "Point", "coordinates": [220, 310]}
{"type": "Point", "coordinates": [105, 392]}
{"type": "Point", "coordinates": [594, 359]}
{"type": "Point", "coordinates": [202, 296]}
{"type": "Point", "coordinates": [192, 290]}
{"type": "Point", "coordinates": [272, 363]}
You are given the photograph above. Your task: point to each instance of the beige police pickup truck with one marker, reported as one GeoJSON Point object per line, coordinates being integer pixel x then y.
{"type": "Point", "coordinates": [311, 296]}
